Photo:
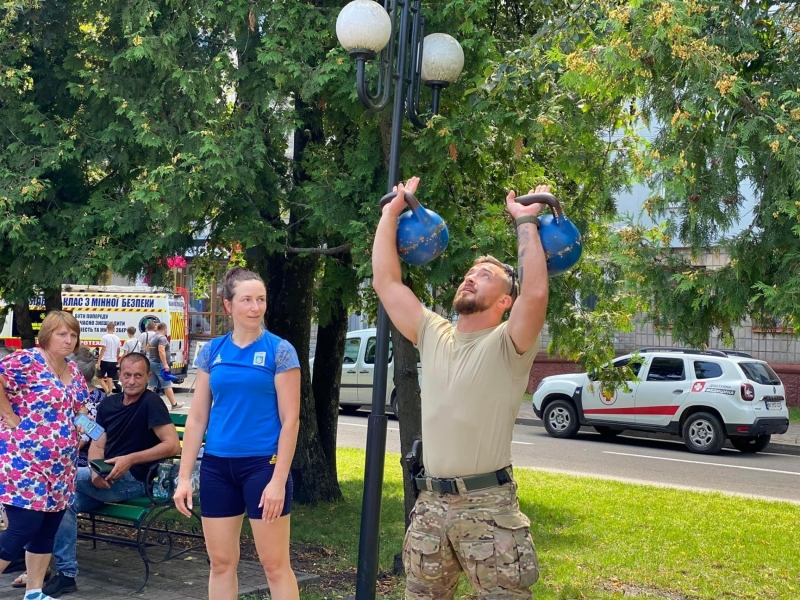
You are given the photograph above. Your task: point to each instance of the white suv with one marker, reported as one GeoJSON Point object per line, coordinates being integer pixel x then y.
{"type": "Point", "coordinates": [702, 396]}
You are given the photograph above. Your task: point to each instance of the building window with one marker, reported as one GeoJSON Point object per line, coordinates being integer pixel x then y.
{"type": "Point", "coordinates": [780, 326]}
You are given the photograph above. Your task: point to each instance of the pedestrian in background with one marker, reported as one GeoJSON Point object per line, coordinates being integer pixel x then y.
{"type": "Point", "coordinates": [251, 433]}
{"type": "Point", "coordinates": [108, 357]}
{"type": "Point", "coordinates": [132, 344]}
{"type": "Point", "coordinates": [159, 361]}
{"type": "Point", "coordinates": [148, 335]}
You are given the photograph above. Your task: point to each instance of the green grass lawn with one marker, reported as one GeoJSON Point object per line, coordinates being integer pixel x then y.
{"type": "Point", "coordinates": [794, 414]}
{"type": "Point", "coordinates": [596, 538]}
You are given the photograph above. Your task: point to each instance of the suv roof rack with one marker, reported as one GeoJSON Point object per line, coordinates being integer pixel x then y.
{"type": "Point", "coordinates": [683, 350]}
{"type": "Point", "coordinates": [736, 353]}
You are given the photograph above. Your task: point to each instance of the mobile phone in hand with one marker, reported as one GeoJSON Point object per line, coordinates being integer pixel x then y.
{"type": "Point", "coordinates": [91, 428]}
{"type": "Point", "coordinates": [101, 467]}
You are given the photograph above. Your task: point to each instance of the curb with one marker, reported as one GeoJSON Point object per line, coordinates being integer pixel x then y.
{"type": "Point", "coordinates": [793, 449]}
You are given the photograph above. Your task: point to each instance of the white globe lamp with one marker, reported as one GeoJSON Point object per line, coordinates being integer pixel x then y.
{"type": "Point", "coordinates": [442, 59]}
{"type": "Point", "coordinates": [363, 28]}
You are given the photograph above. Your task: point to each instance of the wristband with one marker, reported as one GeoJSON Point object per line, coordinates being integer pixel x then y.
{"type": "Point", "coordinates": [527, 219]}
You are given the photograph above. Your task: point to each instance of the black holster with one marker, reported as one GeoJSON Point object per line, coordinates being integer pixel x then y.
{"type": "Point", "coordinates": [413, 464]}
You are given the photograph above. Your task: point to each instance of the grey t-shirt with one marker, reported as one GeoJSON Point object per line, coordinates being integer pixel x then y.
{"type": "Point", "coordinates": [156, 341]}
{"type": "Point", "coordinates": [143, 339]}
{"type": "Point", "coordinates": [132, 345]}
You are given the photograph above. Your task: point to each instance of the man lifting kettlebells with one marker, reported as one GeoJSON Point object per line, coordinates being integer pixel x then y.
{"type": "Point", "coordinates": [467, 515]}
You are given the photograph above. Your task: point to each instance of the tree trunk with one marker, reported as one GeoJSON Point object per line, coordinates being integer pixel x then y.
{"type": "Point", "coordinates": [290, 318]}
{"type": "Point", "coordinates": [52, 299]}
{"type": "Point", "coordinates": [409, 408]}
{"type": "Point", "coordinates": [409, 413]}
{"type": "Point", "coordinates": [22, 319]}
{"type": "Point", "coordinates": [327, 378]}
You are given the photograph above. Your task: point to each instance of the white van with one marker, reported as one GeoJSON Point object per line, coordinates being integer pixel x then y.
{"type": "Point", "coordinates": [358, 372]}
{"type": "Point", "coordinates": [96, 306]}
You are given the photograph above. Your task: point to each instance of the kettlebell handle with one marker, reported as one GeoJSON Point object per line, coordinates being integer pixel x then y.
{"type": "Point", "coordinates": [542, 198]}
{"type": "Point", "coordinates": [410, 198]}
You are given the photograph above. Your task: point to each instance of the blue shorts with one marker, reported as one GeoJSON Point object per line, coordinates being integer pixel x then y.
{"type": "Point", "coordinates": [229, 485]}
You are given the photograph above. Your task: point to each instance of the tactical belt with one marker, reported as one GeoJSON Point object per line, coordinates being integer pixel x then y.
{"type": "Point", "coordinates": [470, 483]}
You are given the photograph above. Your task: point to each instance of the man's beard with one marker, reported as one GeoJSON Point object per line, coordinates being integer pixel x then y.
{"type": "Point", "coordinates": [466, 305]}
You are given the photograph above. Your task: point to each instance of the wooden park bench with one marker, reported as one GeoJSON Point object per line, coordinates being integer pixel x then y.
{"type": "Point", "coordinates": [154, 524]}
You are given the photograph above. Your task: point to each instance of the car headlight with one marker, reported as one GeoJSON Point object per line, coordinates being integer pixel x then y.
{"type": "Point", "coordinates": [541, 383]}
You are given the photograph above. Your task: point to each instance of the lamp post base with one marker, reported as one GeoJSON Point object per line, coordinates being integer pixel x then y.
{"type": "Point", "coordinates": [369, 535]}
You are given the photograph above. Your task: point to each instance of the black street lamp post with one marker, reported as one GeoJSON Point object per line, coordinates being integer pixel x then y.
{"type": "Point", "coordinates": [407, 59]}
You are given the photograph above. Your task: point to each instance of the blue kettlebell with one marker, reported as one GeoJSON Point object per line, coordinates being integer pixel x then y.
{"type": "Point", "coordinates": [561, 240]}
{"type": "Point", "coordinates": [421, 234]}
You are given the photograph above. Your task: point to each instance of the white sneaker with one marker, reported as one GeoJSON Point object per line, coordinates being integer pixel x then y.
{"type": "Point", "coordinates": [176, 406]}
{"type": "Point", "coordinates": [37, 595]}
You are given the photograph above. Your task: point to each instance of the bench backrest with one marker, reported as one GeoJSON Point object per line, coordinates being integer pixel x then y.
{"type": "Point", "coordinates": [179, 420]}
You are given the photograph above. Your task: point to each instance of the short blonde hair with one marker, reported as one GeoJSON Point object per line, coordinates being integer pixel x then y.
{"type": "Point", "coordinates": [54, 320]}
{"type": "Point", "coordinates": [507, 270]}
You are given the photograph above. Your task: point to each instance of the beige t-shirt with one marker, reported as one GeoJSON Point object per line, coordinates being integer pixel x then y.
{"type": "Point", "coordinates": [472, 387]}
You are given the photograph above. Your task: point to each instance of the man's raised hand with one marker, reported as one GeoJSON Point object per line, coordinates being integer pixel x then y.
{"type": "Point", "coordinates": [517, 210]}
{"type": "Point", "coordinates": [398, 204]}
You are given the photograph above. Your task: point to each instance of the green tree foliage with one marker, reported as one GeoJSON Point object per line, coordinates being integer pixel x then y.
{"type": "Point", "coordinates": [520, 122]}
{"type": "Point", "coordinates": [127, 130]}
{"type": "Point", "coordinates": [89, 125]}
{"type": "Point", "coordinates": [720, 82]}
{"type": "Point", "coordinates": [173, 118]}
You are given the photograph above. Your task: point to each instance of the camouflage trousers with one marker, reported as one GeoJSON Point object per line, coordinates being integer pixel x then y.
{"type": "Point", "coordinates": [482, 533]}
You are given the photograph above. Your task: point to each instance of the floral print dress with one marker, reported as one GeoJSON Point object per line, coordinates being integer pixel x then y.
{"type": "Point", "coordinates": [38, 457]}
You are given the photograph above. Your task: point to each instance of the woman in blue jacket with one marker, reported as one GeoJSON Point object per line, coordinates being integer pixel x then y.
{"type": "Point", "coordinates": [251, 428]}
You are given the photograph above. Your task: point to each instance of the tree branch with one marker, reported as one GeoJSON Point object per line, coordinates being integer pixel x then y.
{"type": "Point", "coordinates": [326, 251]}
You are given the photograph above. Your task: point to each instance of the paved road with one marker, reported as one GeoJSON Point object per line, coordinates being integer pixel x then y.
{"type": "Point", "coordinates": [772, 475]}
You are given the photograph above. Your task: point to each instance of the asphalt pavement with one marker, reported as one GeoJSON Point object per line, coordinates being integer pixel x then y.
{"type": "Point", "coordinates": [788, 442]}
{"type": "Point", "coordinates": [772, 474]}
{"type": "Point", "coordinates": [652, 459]}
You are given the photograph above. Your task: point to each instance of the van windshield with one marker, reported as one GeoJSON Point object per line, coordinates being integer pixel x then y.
{"type": "Point", "coordinates": [760, 373]}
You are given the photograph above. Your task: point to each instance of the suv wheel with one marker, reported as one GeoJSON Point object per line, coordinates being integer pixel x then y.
{"type": "Point", "coordinates": [703, 433]}
{"type": "Point", "coordinates": [560, 419]}
{"type": "Point", "coordinates": [750, 443]}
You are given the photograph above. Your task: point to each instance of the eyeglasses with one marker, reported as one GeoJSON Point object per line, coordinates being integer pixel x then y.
{"type": "Point", "coordinates": [513, 275]}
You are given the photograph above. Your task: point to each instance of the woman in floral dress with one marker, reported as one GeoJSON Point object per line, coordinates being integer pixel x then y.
{"type": "Point", "coordinates": [41, 393]}
{"type": "Point", "coordinates": [87, 365]}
